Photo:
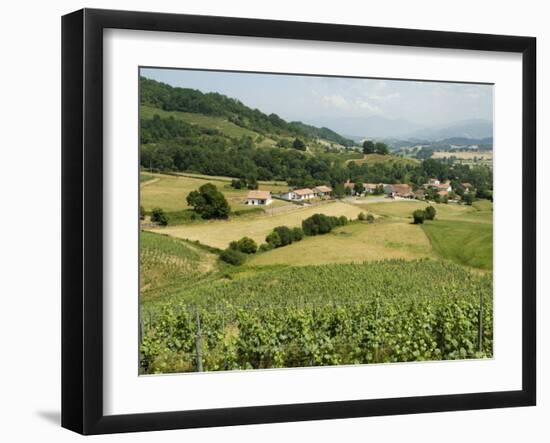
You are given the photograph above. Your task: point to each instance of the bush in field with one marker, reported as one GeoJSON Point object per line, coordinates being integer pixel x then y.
{"type": "Point", "coordinates": [318, 224]}
{"type": "Point", "coordinates": [245, 245]}
{"type": "Point", "coordinates": [370, 218]}
{"type": "Point", "coordinates": [141, 213]}
{"type": "Point", "coordinates": [469, 198]}
{"type": "Point", "coordinates": [273, 240]}
{"type": "Point", "coordinates": [361, 216]}
{"type": "Point", "coordinates": [430, 213]}
{"type": "Point", "coordinates": [297, 234]}
{"type": "Point", "coordinates": [233, 256]}
{"type": "Point", "coordinates": [209, 202]}
{"type": "Point", "coordinates": [418, 216]}
{"type": "Point", "coordinates": [158, 216]}
{"type": "Point", "coordinates": [285, 235]}
{"type": "Point", "coordinates": [264, 247]}
{"type": "Point", "coordinates": [342, 220]}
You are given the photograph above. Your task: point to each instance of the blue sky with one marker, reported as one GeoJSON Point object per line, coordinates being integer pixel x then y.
{"type": "Point", "coordinates": [322, 100]}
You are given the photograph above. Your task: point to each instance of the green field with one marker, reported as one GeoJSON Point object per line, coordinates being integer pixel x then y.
{"type": "Point", "coordinates": [169, 192]}
{"type": "Point", "coordinates": [467, 243]}
{"type": "Point", "coordinates": [372, 159]}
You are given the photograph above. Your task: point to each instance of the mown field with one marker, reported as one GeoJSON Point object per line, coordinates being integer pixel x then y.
{"type": "Point", "coordinates": [371, 159]}
{"type": "Point", "coordinates": [220, 233]}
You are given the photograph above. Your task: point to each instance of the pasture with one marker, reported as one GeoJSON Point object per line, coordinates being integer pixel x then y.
{"type": "Point", "coordinates": [169, 192]}
{"type": "Point", "coordinates": [372, 159]}
{"type": "Point", "coordinates": [358, 242]}
{"type": "Point", "coordinates": [466, 243]}
{"type": "Point", "coordinates": [219, 233]}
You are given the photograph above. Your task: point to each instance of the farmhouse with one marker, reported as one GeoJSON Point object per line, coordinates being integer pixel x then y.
{"type": "Point", "coordinates": [432, 182]}
{"type": "Point", "coordinates": [438, 186]}
{"type": "Point", "coordinates": [467, 187]}
{"type": "Point", "coordinates": [370, 187]}
{"type": "Point", "coordinates": [349, 185]}
{"type": "Point", "coordinates": [403, 191]}
{"type": "Point", "coordinates": [299, 194]}
{"type": "Point", "coordinates": [259, 198]}
{"type": "Point", "coordinates": [322, 191]}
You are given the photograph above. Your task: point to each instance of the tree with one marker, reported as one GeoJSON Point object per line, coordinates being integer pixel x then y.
{"type": "Point", "coordinates": [339, 190]}
{"type": "Point", "coordinates": [245, 245]}
{"type": "Point", "coordinates": [233, 256]}
{"type": "Point", "coordinates": [297, 234]}
{"type": "Point", "coordinates": [285, 235]}
{"type": "Point", "coordinates": [273, 239]}
{"type": "Point", "coordinates": [368, 147]}
{"type": "Point", "coordinates": [209, 202]}
{"type": "Point", "coordinates": [379, 190]}
{"type": "Point", "coordinates": [418, 217]}
{"type": "Point", "coordinates": [141, 213]}
{"type": "Point", "coordinates": [158, 216]}
{"type": "Point", "coordinates": [430, 213]}
{"type": "Point", "coordinates": [359, 188]}
{"type": "Point", "coordinates": [342, 220]}
{"type": "Point", "coordinates": [317, 224]}
{"type": "Point", "coordinates": [361, 216]}
{"type": "Point", "coordinates": [381, 148]}
{"type": "Point", "coordinates": [469, 198]}
{"type": "Point", "coordinates": [299, 144]}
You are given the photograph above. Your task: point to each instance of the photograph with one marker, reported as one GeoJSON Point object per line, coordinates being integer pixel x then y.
{"type": "Point", "coordinates": [291, 220]}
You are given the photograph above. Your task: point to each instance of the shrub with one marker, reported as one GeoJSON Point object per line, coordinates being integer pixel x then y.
{"type": "Point", "coordinates": [141, 213]}
{"type": "Point", "coordinates": [469, 198]}
{"type": "Point", "coordinates": [285, 235]}
{"type": "Point", "coordinates": [247, 245]}
{"type": "Point", "coordinates": [318, 224]}
{"type": "Point", "coordinates": [430, 213]}
{"type": "Point", "coordinates": [343, 220]}
{"type": "Point", "coordinates": [297, 234]}
{"type": "Point", "coordinates": [233, 257]}
{"type": "Point", "coordinates": [264, 247]}
{"type": "Point", "coordinates": [370, 218]}
{"type": "Point", "coordinates": [361, 216]}
{"type": "Point", "coordinates": [158, 216]}
{"type": "Point", "coordinates": [418, 216]}
{"type": "Point", "coordinates": [273, 239]}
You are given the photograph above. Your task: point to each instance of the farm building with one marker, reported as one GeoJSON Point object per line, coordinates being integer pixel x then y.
{"type": "Point", "coordinates": [467, 187]}
{"type": "Point", "coordinates": [259, 198]}
{"type": "Point", "coordinates": [299, 194]}
{"type": "Point", "coordinates": [349, 185]}
{"type": "Point", "coordinates": [432, 182]}
{"type": "Point", "coordinates": [370, 187]}
{"type": "Point", "coordinates": [403, 191]}
{"type": "Point", "coordinates": [322, 191]}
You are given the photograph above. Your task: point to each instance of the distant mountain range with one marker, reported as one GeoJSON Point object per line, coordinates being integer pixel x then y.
{"type": "Point", "coordinates": [378, 127]}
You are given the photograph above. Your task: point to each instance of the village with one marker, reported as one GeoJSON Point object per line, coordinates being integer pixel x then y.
{"type": "Point", "coordinates": [434, 187]}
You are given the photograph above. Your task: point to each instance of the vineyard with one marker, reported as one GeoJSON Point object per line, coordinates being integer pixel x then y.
{"type": "Point", "coordinates": [281, 316]}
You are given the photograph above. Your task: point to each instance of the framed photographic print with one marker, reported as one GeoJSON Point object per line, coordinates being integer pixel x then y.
{"type": "Point", "coordinates": [269, 221]}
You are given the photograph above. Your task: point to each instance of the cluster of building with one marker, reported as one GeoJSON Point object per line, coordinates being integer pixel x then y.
{"type": "Point", "coordinates": [265, 197]}
{"type": "Point", "coordinates": [391, 190]}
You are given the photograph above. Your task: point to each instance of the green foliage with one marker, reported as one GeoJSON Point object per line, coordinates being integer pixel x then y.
{"type": "Point", "coordinates": [233, 256]}
{"type": "Point", "coordinates": [430, 213]}
{"type": "Point", "coordinates": [381, 148]}
{"type": "Point", "coordinates": [370, 218]}
{"type": "Point", "coordinates": [418, 216]}
{"type": "Point", "coordinates": [362, 216]}
{"type": "Point", "coordinates": [368, 147]}
{"type": "Point", "coordinates": [359, 189]}
{"type": "Point", "coordinates": [317, 224]}
{"type": "Point", "coordinates": [297, 234]}
{"type": "Point", "coordinates": [158, 216]}
{"type": "Point", "coordinates": [209, 202]}
{"type": "Point", "coordinates": [299, 144]}
{"type": "Point", "coordinates": [246, 245]}
{"type": "Point", "coordinates": [273, 239]}
{"type": "Point", "coordinates": [285, 235]}
{"type": "Point", "coordinates": [306, 316]}
{"type": "Point", "coordinates": [141, 212]}
{"type": "Point", "coordinates": [469, 198]}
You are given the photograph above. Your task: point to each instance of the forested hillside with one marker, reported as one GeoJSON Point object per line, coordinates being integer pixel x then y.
{"type": "Point", "coordinates": [186, 130]}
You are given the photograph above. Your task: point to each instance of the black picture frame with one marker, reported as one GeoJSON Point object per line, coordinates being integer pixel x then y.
{"type": "Point", "coordinates": [82, 220]}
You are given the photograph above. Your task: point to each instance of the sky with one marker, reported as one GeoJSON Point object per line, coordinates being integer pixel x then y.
{"type": "Point", "coordinates": [326, 100]}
